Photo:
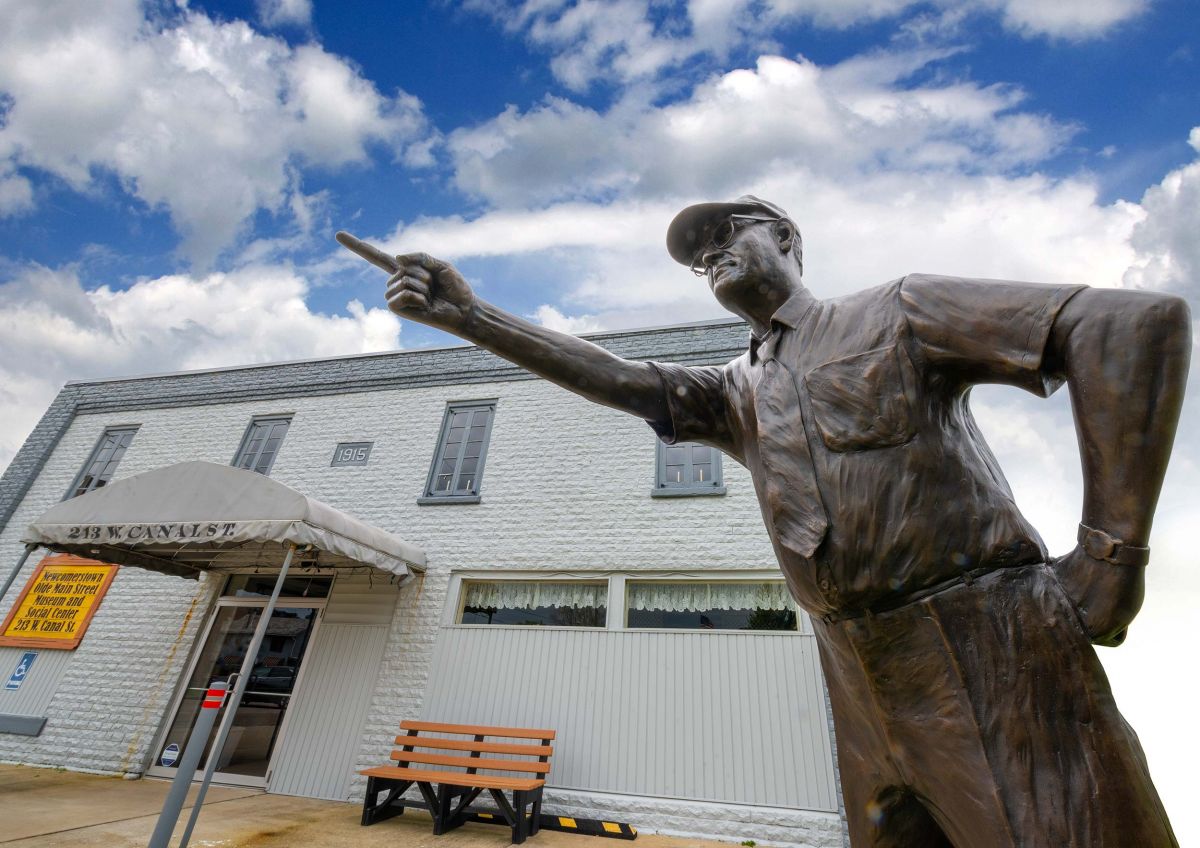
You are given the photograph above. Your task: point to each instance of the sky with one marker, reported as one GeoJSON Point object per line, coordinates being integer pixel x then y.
{"type": "Point", "coordinates": [171, 176]}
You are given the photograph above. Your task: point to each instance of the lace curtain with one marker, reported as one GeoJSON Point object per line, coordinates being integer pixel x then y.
{"type": "Point", "coordinates": [516, 594]}
{"type": "Point", "coordinates": [684, 597]}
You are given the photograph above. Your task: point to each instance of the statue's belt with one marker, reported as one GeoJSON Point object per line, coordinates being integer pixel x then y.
{"type": "Point", "coordinates": [966, 578]}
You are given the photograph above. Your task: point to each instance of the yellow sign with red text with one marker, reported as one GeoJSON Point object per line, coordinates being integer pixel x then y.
{"type": "Point", "coordinates": [58, 603]}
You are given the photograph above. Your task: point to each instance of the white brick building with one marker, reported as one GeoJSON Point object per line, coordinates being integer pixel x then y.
{"type": "Point", "coordinates": [665, 723]}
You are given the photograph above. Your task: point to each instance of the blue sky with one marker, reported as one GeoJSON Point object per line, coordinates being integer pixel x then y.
{"type": "Point", "coordinates": [171, 176]}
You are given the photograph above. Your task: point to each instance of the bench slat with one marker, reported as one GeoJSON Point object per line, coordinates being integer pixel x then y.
{"type": "Point", "coordinates": [474, 730]}
{"type": "Point", "coordinates": [472, 745]}
{"type": "Point", "coordinates": [454, 778]}
{"type": "Point", "coordinates": [469, 762]}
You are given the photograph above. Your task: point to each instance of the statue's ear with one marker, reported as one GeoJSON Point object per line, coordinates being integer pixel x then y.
{"type": "Point", "coordinates": [785, 234]}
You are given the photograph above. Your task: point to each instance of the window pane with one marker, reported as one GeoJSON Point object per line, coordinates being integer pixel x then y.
{"type": "Point", "coordinates": [261, 444]}
{"type": "Point", "coordinates": [710, 606]}
{"type": "Point", "coordinates": [535, 603]}
{"type": "Point", "coordinates": [105, 458]}
{"type": "Point", "coordinates": [689, 467]}
{"type": "Point", "coordinates": [461, 451]}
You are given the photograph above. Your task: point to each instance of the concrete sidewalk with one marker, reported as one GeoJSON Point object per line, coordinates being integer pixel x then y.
{"type": "Point", "coordinates": [47, 807]}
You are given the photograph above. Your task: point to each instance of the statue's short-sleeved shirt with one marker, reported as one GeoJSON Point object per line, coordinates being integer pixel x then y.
{"type": "Point", "coordinates": [912, 493]}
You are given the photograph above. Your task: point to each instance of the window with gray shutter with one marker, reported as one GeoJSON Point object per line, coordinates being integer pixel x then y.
{"type": "Point", "coordinates": [687, 468]}
{"type": "Point", "coordinates": [101, 465]}
{"type": "Point", "coordinates": [458, 461]}
{"type": "Point", "coordinates": [261, 444]}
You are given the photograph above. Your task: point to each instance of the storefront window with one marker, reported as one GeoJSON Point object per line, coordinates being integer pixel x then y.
{"type": "Point", "coordinates": [535, 603]}
{"type": "Point", "coordinates": [729, 605]}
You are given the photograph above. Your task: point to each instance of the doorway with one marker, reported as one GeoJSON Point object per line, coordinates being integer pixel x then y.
{"type": "Point", "coordinates": [245, 758]}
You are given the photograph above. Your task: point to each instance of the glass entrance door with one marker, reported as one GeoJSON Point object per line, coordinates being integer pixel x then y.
{"type": "Point", "coordinates": [246, 756]}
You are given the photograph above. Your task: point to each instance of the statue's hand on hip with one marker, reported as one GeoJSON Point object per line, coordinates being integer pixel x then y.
{"type": "Point", "coordinates": [1107, 595]}
{"type": "Point", "coordinates": [430, 291]}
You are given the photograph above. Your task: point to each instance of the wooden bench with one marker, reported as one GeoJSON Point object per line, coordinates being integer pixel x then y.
{"type": "Point", "coordinates": [448, 793]}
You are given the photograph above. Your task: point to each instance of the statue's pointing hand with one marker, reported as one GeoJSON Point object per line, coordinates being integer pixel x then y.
{"type": "Point", "coordinates": [420, 287]}
{"type": "Point", "coordinates": [430, 291]}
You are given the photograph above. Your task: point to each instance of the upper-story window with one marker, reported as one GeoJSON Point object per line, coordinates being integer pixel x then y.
{"type": "Point", "coordinates": [101, 465]}
{"type": "Point", "coordinates": [687, 468]}
{"type": "Point", "coordinates": [457, 466]}
{"type": "Point", "coordinates": [261, 444]}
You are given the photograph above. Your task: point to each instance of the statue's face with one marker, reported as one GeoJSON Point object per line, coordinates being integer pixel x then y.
{"type": "Point", "coordinates": [753, 268]}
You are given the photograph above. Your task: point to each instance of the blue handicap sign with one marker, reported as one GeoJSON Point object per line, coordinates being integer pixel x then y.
{"type": "Point", "coordinates": [21, 671]}
{"type": "Point", "coordinates": [170, 755]}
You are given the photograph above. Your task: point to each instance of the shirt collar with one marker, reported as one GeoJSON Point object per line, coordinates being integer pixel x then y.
{"type": "Point", "coordinates": [789, 314]}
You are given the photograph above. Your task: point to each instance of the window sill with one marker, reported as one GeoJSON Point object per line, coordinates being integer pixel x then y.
{"type": "Point", "coordinates": [450, 499]}
{"type": "Point", "coordinates": [687, 493]}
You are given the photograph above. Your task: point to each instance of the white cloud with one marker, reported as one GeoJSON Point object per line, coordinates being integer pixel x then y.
{"type": "Point", "coordinates": [1073, 19]}
{"type": "Point", "coordinates": [859, 157]}
{"type": "Point", "coordinates": [627, 41]}
{"type": "Point", "coordinates": [1166, 240]}
{"type": "Point", "coordinates": [747, 125]}
{"type": "Point", "coordinates": [254, 314]}
{"type": "Point", "coordinates": [280, 13]}
{"type": "Point", "coordinates": [16, 193]}
{"type": "Point", "coordinates": [208, 120]}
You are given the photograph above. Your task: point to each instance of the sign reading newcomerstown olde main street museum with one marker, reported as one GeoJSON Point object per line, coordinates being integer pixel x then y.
{"type": "Point", "coordinates": [58, 603]}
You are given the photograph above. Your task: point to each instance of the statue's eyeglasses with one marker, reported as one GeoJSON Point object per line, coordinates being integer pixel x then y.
{"type": "Point", "coordinates": [721, 237]}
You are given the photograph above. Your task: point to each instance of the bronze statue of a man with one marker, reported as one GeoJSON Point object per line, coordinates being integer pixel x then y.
{"type": "Point", "coordinates": [969, 704]}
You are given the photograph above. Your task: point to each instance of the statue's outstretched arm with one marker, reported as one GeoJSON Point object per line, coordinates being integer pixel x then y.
{"type": "Point", "coordinates": [432, 292]}
{"type": "Point", "coordinates": [1125, 355]}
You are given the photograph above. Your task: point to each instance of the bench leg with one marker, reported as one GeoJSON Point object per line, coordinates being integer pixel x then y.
{"type": "Point", "coordinates": [521, 828]}
{"type": "Point", "coordinates": [535, 822]}
{"type": "Point", "coordinates": [374, 810]}
{"type": "Point", "coordinates": [441, 810]}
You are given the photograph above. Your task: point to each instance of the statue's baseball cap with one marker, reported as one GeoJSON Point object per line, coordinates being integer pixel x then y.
{"type": "Point", "coordinates": [689, 227]}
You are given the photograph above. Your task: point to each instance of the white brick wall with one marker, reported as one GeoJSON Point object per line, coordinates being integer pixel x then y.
{"type": "Point", "coordinates": [566, 486]}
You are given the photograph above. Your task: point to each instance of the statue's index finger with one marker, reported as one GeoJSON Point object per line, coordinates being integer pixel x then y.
{"type": "Point", "coordinates": [367, 251]}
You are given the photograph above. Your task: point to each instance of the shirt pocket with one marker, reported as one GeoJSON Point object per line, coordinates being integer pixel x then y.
{"type": "Point", "coordinates": [862, 402]}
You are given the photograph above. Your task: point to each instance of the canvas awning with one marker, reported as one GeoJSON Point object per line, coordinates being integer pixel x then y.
{"type": "Point", "coordinates": [200, 516]}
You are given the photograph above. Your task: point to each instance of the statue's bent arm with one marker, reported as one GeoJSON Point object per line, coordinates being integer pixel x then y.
{"type": "Point", "coordinates": [1125, 356]}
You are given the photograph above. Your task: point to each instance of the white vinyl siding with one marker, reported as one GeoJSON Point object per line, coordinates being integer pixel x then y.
{"type": "Point", "coordinates": [731, 717]}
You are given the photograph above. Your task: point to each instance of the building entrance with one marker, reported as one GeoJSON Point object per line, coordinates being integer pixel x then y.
{"type": "Point", "coordinates": [245, 759]}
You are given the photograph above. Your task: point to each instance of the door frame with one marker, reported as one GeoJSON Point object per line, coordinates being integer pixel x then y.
{"type": "Point", "coordinates": [219, 777]}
